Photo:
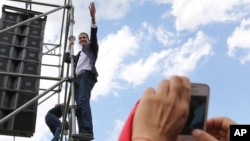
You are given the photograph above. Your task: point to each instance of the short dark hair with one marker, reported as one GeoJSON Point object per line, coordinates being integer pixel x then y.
{"type": "Point", "coordinates": [85, 34]}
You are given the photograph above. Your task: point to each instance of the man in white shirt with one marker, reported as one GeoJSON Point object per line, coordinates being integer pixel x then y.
{"type": "Point", "coordinates": [86, 76]}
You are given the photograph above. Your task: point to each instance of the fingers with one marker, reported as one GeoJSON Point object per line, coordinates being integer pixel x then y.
{"type": "Point", "coordinates": [148, 92]}
{"type": "Point", "coordinates": [162, 111]}
{"type": "Point", "coordinates": [71, 43]}
{"type": "Point", "coordinates": [219, 123]}
{"type": "Point", "coordinates": [185, 89]}
{"type": "Point", "coordinates": [177, 86]}
{"type": "Point", "coordinates": [200, 135]}
{"type": "Point", "coordinates": [175, 91]}
{"type": "Point", "coordinates": [92, 6]}
{"type": "Point", "coordinates": [163, 88]}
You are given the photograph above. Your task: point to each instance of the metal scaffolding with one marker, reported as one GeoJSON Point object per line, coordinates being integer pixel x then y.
{"type": "Point", "coordinates": [65, 72]}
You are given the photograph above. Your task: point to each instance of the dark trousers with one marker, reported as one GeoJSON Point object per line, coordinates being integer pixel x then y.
{"type": "Point", "coordinates": [54, 125]}
{"type": "Point", "coordinates": [84, 84]}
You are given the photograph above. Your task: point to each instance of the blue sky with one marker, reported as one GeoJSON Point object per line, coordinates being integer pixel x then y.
{"type": "Point", "coordinates": [144, 41]}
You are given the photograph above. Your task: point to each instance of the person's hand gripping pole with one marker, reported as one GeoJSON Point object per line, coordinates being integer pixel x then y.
{"type": "Point", "coordinates": [71, 44]}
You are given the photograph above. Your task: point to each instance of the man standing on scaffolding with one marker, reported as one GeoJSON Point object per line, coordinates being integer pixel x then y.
{"type": "Point", "coordinates": [86, 76]}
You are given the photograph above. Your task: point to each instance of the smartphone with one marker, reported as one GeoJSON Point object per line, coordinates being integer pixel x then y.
{"type": "Point", "coordinates": [197, 111]}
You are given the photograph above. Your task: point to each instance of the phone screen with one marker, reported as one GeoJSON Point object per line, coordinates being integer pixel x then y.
{"type": "Point", "coordinates": [197, 114]}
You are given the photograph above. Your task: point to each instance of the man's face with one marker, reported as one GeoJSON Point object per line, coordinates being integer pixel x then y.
{"type": "Point", "coordinates": [83, 39]}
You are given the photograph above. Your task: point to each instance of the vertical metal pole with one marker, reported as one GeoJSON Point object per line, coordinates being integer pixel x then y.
{"type": "Point", "coordinates": [72, 22]}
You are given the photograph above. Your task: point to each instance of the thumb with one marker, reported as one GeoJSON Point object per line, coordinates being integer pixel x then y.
{"type": "Point", "coordinates": [200, 135]}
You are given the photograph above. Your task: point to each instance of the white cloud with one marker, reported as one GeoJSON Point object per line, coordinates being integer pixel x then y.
{"type": "Point", "coordinates": [112, 50]}
{"type": "Point", "coordinates": [239, 43]}
{"type": "Point", "coordinates": [113, 9]}
{"type": "Point", "coordinates": [163, 1]}
{"type": "Point", "coordinates": [157, 1]}
{"type": "Point", "coordinates": [184, 59]}
{"type": "Point", "coordinates": [136, 73]}
{"type": "Point", "coordinates": [181, 60]}
{"type": "Point", "coordinates": [161, 34]}
{"type": "Point", "coordinates": [194, 13]}
{"type": "Point", "coordinates": [114, 134]}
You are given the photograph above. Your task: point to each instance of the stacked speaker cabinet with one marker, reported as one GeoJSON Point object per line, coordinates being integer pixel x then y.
{"type": "Point", "coordinates": [20, 52]}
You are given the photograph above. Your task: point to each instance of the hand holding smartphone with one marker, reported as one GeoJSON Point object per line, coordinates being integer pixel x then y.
{"type": "Point", "coordinates": [197, 111]}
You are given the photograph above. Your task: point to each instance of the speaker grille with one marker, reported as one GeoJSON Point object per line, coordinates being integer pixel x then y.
{"type": "Point", "coordinates": [20, 52]}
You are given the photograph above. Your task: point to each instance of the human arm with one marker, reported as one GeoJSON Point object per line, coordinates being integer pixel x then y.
{"type": "Point", "coordinates": [162, 113]}
{"type": "Point", "coordinates": [92, 12]}
{"type": "Point", "coordinates": [68, 50]}
{"type": "Point", "coordinates": [93, 33]}
{"type": "Point", "coordinates": [217, 129]}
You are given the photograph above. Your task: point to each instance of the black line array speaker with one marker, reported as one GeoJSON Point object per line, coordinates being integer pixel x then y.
{"type": "Point", "coordinates": [20, 52]}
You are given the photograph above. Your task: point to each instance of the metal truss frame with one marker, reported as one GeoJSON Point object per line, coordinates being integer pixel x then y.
{"type": "Point", "coordinates": [49, 49]}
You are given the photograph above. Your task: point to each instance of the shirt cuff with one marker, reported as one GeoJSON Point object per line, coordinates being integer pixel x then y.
{"type": "Point", "coordinates": [67, 50]}
{"type": "Point", "coordinates": [93, 25]}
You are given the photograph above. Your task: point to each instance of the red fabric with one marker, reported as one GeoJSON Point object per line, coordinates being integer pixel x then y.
{"type": "Point", "coordinates": [126, 133]}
